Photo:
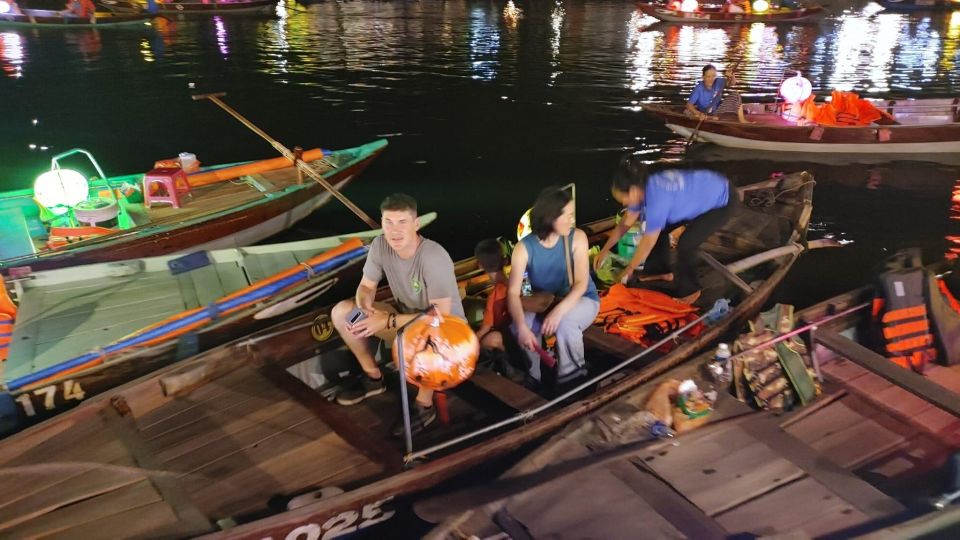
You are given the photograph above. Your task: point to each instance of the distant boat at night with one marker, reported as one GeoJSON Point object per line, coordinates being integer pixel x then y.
{"type": "Point", "coordinates": [919, 5]}
{"type": "Point", "coordinates": [194, 7]}
{"type": "Point", "coordinates": [52, 18]}
{"type": "Point", "coordinates": [718, 14]}
{"type": "Point", "coordinates": [914, 126]}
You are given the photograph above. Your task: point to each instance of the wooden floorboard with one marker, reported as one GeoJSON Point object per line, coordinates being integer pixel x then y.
{"type": "Point", "coordinates": [119, 500]}
{"type": "Point", "coordinates": [207, 284]}
{"type": "Point", "coordinates": [804, 506]}
{"type": "Point", "coordinates": [515, 395]}
{"type": "Point", "coordinates": [282, 465]}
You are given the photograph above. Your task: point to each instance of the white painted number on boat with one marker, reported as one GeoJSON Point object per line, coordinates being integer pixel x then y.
{"type": "Point", "coordinates": [71, 392]}
{"type": "Point", "coordinates": [342, 524]}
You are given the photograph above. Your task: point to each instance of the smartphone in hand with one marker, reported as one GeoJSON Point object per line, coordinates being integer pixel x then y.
{"type": "Point", "coordinates": [355, 316]}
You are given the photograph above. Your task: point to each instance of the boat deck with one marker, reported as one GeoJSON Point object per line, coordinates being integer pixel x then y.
{"type": "Point", "coordinates": [64, 320]}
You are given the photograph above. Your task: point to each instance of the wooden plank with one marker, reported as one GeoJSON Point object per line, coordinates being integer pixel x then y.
{"type": "Point", "coordinates": [904, 378]}
{"type": "Point", "coordinates": [516, 396]}
{"type": "Point", "coordinates": [722, 270]}
{"type": "Point", "coordinates": [125, 430]}
{"type": "Point", "coordinates": [23, 343]}
{"type": "Point", "coordinates": [217, 425]}
{"type": "Point", "coordinates": [253, 267]}
{"type": "Point", "coordinates": [717, 481]}
{"type": "Point", "coordinates": [834, 418]}
{"type": "Point", "coordinates": [195, 398]}
{"type": "Point", "coordinates": [155, 520]}
{"type": "Point", "coordinates": [805, 506]}
{"type": "Point", "coordinates": [334, 416]}
{"type": "Point", "coordinates": [232, 401]}
{"type": "Point", "coordinates": [119, 500]}
{"type": "Point", "coordinates": [207, 284]}
{"type": "Point", "coordinates": [95, 318]}
{"type": "Point", "coordinates": [284, 464]}
{"type": "Point", "coordinates": [866, 498]}
{"type": "Point", "coordinates": [274, 263]}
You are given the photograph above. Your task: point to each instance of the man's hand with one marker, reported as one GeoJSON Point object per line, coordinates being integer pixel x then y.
{"type": "Point", "coordinates": [373, 323]}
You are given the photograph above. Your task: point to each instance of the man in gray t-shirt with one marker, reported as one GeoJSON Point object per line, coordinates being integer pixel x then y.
{"type": "Point", "coordinates": [419, 272]}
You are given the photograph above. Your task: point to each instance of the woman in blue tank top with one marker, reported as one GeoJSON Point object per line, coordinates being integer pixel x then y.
{"type": "Point", "coordinates": [542, 256]}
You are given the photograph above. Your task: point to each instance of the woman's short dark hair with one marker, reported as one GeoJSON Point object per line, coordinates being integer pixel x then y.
{"type": "Point", "coordinates": [489, 254]}
{"type": "Point", "coordinates": [399, 201]}
{"type": "Point", "coordinates": [708, 67]}
{"type": "Point", "coordinates": [546, 209]}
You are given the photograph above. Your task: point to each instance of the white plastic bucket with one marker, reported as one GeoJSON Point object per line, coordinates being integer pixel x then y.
{"type": "Point", "coordinates": [187, 161]}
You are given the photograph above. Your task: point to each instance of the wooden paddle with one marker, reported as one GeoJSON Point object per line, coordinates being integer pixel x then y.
{"type": "Point", "coordinates": [287, 153]}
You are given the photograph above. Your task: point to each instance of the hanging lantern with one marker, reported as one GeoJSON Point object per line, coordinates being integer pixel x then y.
{"type": "Point", "coordinates": [760, 6]}
{"type": "Point", "coordinates": [5, 7]}
{"type": "Point", "coordinates": [689, 6]}
{"type": "Point", "coordinates": [523, 226]}
{"type": "Point", "coordinates": [440, 352]}
{"type": "Point", "coordinates": [61, 187]}
{"type": "Point", "coordinates": [796, 89]}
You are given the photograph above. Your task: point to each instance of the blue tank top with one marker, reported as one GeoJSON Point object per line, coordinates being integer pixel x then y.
{"type": "Point", "coordinates": [548, 271]}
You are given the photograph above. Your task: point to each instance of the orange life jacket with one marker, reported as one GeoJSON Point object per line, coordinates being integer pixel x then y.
{"type": "Point", "coordinates": [904, 324]}
{"type": "Point", "coordinates": [8, 314]}
{"type": "Point", "coordinates": [637, 314]}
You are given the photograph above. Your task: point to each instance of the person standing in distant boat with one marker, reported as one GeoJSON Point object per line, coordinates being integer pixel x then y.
{"type": "Point", "coordinates": [79, 8]}
{"type": "Point", "coordinates": [419, 273]}
{"type": "Point", "coordinates": [705, 98]}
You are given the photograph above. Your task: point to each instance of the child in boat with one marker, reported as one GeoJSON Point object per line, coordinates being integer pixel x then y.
{"type": "Point", "coordinates": [494, 332]}
{"type": "Point", "coordinates": [731, 106]}
{"type": "Point", "coordinates": [419, 273]}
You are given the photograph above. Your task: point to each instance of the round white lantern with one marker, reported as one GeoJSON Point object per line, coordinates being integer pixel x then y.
{"type": "Point", "coordinates": [61, 187]}
{"type": "Point", "coordinates": [796, 89]}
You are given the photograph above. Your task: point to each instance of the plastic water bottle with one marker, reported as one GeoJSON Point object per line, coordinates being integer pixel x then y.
{"type": "Point", "coordinates": [722, 358]}
{"type": "Point", "coordinates": [526, 289]}
{"type": "Point", "coordinates": [628, 242]}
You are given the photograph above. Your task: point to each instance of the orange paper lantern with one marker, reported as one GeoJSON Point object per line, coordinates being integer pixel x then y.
{"type": "Point", "coordinates": [440, 352]}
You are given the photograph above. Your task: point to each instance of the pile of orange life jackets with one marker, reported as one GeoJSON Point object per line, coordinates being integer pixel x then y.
{"type": "Point", "coordinates": [641, 314]}
{"type": "Point", "coordinates": [844, 109]}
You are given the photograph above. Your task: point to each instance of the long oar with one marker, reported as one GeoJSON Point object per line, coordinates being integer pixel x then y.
{"type": "Point", "coordinates": [287, 153]}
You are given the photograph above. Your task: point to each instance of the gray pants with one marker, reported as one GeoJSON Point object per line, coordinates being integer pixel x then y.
{"type": "Point", "coordinates": [570, 355]}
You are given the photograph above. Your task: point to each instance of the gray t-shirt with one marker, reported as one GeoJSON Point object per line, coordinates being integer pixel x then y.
{"type": "Point", "coordinates": [414, 281]}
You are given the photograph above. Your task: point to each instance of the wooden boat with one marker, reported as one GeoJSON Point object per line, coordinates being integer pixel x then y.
{"type": "Point", "coordinates": [864, 460]}
{"type": "Point", "coordinates": [919, 5]}
{"type": "Point", "coordinates": [923, 126]}
{"type": "Point", "coordinates": [82, 323]}
{"type": "Point", "coordinates": [716, 14]}
{"type": "Point", "coordinates": [194, 7]}
{"type": "Point", "coordinates": [220, 443]}
{"type": "Point", "coordinates": [219, 215]}
{"type": "Point", "coordinates": [52, 18]}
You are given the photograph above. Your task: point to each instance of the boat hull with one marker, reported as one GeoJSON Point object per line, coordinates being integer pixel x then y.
{"type": "Point", "coordinates": [238, 227]}
{"type": "Point", "coordinates": [774, 16]}
{"type": "Point", "coordinates": [872, 139]}
{"type": "Point", "coordinates": [216, 8]}
{"type": "Point", "coordinates": [50, 18]}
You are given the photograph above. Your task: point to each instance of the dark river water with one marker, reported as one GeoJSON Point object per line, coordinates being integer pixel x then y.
{"type": "Point", "coordinates": [484, 103]}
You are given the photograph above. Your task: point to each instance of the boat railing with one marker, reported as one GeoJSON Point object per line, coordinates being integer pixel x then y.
{"type": "Point", "coordinates": [715, 311]}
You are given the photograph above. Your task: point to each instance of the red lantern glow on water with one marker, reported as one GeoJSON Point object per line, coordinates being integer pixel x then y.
{"type": "Point", "coordinates": [439, 352]}
{"type": "Point", "coordinates": [796, 89]}
{"type": "Point", "coordinates": [689, 6]}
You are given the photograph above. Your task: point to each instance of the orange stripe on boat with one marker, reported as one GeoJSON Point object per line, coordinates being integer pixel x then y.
{"type": "Point", "coordinates": [230, 173]}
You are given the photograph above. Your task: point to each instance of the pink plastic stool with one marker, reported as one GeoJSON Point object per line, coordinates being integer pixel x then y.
{"type": "Point", "coordinates": [172, 185]}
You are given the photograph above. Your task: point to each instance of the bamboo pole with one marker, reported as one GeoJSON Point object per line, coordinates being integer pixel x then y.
{"type": "Point", "coordinates": [287, 153]}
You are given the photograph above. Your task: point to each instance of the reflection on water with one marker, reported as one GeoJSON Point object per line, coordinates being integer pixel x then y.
{"type": "Point", "coordinates": [500, 97]}
{"type": "Point", "coordinates": [11, 54]}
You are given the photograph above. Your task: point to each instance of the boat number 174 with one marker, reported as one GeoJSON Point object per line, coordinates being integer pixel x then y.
{"type": "Point", "coordinates": [46, 397]}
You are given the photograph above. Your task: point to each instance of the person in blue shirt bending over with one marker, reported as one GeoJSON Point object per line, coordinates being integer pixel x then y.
{"type": "Point", "coordinates": [699, 199]}
{"type": "Point", "coordinates": [706, 95]}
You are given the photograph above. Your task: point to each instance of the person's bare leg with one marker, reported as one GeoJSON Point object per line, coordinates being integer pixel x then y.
{"type": "Point", "coordinates": [425, 397]}
{"type": "Point", "coordinates": [362, 348]}
{"type": "Point", "coordinates": [655, 277]}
